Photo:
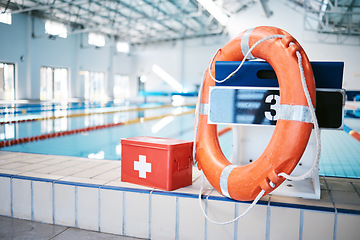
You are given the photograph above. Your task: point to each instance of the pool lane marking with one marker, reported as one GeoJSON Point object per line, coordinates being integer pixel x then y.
{"type": "Point", "coordinates": [87, 129]}
{"type": "Point", "coordinates": [94, 113]}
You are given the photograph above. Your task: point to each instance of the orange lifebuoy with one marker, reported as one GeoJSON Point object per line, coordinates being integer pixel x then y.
{"type": "Point", "coordinates": [290, 136]}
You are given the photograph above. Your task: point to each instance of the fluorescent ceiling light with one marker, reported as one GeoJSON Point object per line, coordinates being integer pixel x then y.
{"type": "Point", "coordinates": [215, 11]}
{"type": "Point", "coordinates": [167, 78]}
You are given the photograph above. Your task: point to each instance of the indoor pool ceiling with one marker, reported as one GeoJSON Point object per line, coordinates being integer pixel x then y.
{"type": "Point", "coordinates": [134, 21]}
{"type": "Point", "coordinates": [146, 21]}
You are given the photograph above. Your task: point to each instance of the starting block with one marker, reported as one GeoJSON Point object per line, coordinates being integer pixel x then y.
{"type": "Point", "coordinates": [252, 98]}
{"type": "Point", "coordinates": [161, 163]}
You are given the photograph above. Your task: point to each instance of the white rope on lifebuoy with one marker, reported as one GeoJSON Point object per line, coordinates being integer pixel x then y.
{"type": "Point", "coordinates": [314, 121]}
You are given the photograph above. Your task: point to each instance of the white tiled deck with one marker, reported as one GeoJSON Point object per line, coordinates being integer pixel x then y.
{"type": "Point", "coordinates": [88, 194]}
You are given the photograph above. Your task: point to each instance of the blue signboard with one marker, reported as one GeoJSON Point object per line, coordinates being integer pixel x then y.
{"type": "Point", "coordinates": [252, 96]}
{"type": "Point", "coordinates": [327, 75]}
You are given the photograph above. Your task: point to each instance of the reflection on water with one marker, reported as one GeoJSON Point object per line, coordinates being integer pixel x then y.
{"type": "Point", "coordinates": [59, 119]}
{"type": "Point", "coordinates": [102, 143]}
{"type": "Point", "coordinates": [98, 155]}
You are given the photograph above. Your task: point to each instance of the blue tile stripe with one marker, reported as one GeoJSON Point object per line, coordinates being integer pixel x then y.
{"type": "Point", "coordinates": [124, 215]}
{"type": "Point", "coordinates": [99, 212]}
{"type": "Point", "coordinates": [301, 227]}
{"type": "Point", "coordinates": [348, 211]}
{"type": "Point", "coordinates": [76, 206]}
{"type": "Point", "coordinates": [125, 189]}
{"type": "Point", "coordinates": [268, 218]}
{"type": "Point", "coordinates": [32, 178]}
{"type": "Point", "coordinates": [53, 202]}
{"type": "Point", "coordinates": [178, 194]}
{"type": "Point", "coordinates": [11, 198]}
{"type": "Point", "coordinates": [177, 220]}
{"type": "Point", "coordinates": [206, 220]}
{"type": "Point", "coordinates": [150, 213]}
{"type": "Point", "coordinates": [32, 199]}
{"type": "Point", "coordinates": [236, 225]}
{"type": "Point", "coordinates": [335, 208]}
{"type": "Point", "coordinates": [77, 184]}
{"type": "Point", "coordinates": [301, 206]}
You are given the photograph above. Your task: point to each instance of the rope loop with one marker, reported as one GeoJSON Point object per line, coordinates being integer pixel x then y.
{"type": "Point", "coordinates": [256, 200]}
{"type": "Point", "coordinates": [316, 128]}
{"type": "Point", "coordinates": [244, 59]}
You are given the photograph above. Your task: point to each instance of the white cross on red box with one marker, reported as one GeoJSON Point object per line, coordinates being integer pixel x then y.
{"type": "Point", "coordinates": [142, 166]}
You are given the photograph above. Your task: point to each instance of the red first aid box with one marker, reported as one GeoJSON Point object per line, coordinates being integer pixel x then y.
{"type": "Point", "coordinates": [161, 163]}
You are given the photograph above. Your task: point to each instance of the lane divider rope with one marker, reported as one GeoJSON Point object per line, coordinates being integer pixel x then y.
{"type": "Point", "coordinates": [352, 132]}
{"type": "Point", "coordinates": [92, 113]}
{"type": "Point", "coordinates": [86, 129]}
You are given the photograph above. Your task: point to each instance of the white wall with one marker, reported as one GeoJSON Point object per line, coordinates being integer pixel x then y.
{"type": "Point", "coordinates": [185, 61]}
{"type": "Point", "coordinates": [13, 49]}
{"type": "Point", "coordinates": [74, 53]}
{"type": "Point", "coordinates": [49, 53]}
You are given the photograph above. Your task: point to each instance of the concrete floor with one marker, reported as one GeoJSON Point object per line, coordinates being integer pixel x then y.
{"type": "Point", "coordinates": [12, 228]}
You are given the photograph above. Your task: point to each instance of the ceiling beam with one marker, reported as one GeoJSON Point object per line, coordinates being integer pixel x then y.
{"type": "Point", "coordinates": [47, 6]}
{"type": "Point", "coordinates": [266, 8]}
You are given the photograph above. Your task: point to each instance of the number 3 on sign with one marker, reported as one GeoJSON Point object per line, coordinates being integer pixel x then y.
{"type": "Point", "coordinates": [274, 100]}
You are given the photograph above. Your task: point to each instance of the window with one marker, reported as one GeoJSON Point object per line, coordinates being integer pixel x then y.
{"type": "Point", "coordinates": [5, 17]}
{"type": "Point", "coordinates": [7, 81]}
{"type": "Point", "coordinates": [55, 29]}
{"type": "Point", "coordinates": [7, 131]}
{"type": "Point", "coordinates": [121, 87]}
{"type": "Point", "coordinates": [96, 39]}
{"type": "Point", "coordinates": [123, 47]}
{"type": "Point", "coordinates": [94, 86]}
{"type": "Point", "coordinates": [141, 85]}
{"type": "Point", "coordinates": [53, 83]}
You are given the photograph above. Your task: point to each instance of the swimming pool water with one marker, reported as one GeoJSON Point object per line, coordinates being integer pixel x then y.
{"type": "Point", "coordinates": [340, 155]}
{"type": "Point", "coordinates": [102, 143]}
